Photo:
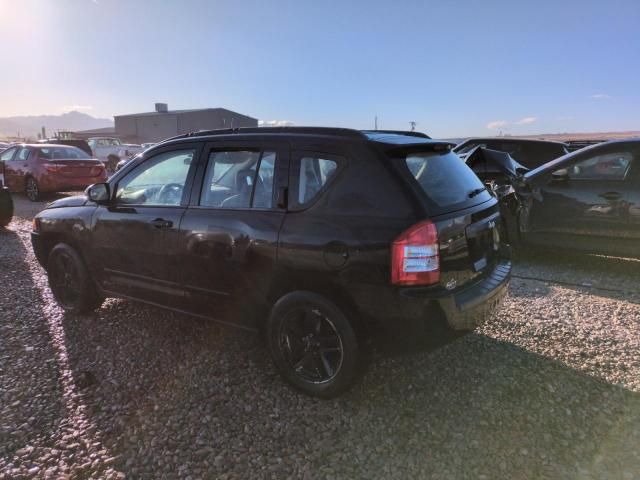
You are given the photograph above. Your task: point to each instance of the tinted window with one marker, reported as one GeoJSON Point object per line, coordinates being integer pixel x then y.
{"type": "Point", "coordinates": [7, 154]}
{"type": "Point", "coordinates": [23, 155]}
{"type": "Point", "coordinates": [160, 180]}
{"type": "Point", "coordinates": [63, 153]}
{"type": "Point", "coordinates": [535, 155]}
{"type": "Point", "coordinates": [444, 178]}
{"type": "Point", "coordinates": [239, 179]}
{"type": "Point", "coordinates": [311, 174]}
{"type": "Point", "coordinates": [608, 166]}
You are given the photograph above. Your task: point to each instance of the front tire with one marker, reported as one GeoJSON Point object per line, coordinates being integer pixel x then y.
{"type": "Point", "coordinates": [70, 281]}
{"type": "Point", "coordinates": [313, 344]}
{"type": "Point", "coordinates": [32, 189]}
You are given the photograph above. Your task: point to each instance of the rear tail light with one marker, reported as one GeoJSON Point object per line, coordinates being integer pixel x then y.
{"type": "Point", "coordinates": [97, 170]}
{"type": "Point", "coordinates": [415, 258]}
{"type": "Point", "coordinates": [51, 167]}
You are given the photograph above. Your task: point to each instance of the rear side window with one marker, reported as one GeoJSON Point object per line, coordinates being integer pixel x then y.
{"type": "Point", "coordinates": [311, 173]}
{"type": "Point", "coordinates": [447, 182]}
{"type": "Point", "coordinates": [239, 179]}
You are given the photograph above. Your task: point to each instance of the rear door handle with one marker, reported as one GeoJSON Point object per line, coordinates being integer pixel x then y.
{"type": "Point", "coordinates": [611, 196]}
{"type": "Point", "coordinates": [161, 223]}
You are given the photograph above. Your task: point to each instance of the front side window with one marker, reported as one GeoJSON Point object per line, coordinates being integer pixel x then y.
{"type": "Point", "coordinates": [8, 154]}
{"type": "Point", "coordinates": [608, 166]}
{"type": "Point", "coordinates": [313, 173]}
{"type": "Point", "coordinates": [159, 181]}
{"type": "Point", "coordinates": [239, 179]}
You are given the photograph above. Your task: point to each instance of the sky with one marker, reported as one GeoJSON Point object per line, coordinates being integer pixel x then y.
{"type": "Point", "coordinates": [456, 67]}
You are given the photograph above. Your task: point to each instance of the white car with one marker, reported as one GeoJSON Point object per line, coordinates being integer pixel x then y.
{"type": "Point", "coordinates": [111, 150]}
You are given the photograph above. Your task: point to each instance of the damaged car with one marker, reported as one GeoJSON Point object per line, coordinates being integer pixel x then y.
{"type": "Point", "coordinates": [528, 152]}
{"type": "Point", "coordinates": [589, 199]}
{"type": "Point", "coordinates": [499, 172]}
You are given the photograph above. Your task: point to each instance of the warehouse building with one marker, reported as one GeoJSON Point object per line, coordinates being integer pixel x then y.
{"type": "Point", "coordinates": [164, 123]}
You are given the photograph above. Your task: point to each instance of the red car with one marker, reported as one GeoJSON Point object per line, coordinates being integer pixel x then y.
{"type": "Point", "coordinates": [36, 169]}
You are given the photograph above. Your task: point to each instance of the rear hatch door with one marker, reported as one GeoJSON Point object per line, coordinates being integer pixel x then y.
{"type": "Point", "coordinates": [466, 215]}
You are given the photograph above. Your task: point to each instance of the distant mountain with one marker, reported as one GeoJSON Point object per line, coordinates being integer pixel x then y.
{"type": "Point", "coordinates": [30, 126]}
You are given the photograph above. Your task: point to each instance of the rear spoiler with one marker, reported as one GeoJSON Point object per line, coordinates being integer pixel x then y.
{"type": "Point", "coordinates": [438, 147]}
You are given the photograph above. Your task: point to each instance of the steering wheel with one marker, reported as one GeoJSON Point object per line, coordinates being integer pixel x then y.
{"type": "Point", "coordinates": [171, 193]}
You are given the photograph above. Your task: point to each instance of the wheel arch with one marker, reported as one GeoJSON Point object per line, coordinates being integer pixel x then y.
{"type": "Point", "coordinates": [285, 283]}
{"type": "Point", "coordinates": [51, 239]}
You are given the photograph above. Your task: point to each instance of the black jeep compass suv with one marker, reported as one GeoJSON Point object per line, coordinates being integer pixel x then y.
{"type": "Point", "coordinates": [310, 235]}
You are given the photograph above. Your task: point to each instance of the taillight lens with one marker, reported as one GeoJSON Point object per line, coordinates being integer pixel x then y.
{"type": "Point", "coordinates": [97, 170]}
{"type": "Point", "coordinates": [415, 258]}
{"type": "Point", "coordinates": [51, 167]}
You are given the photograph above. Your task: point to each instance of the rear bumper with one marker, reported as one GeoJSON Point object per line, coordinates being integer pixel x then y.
{"type": "Point", "coordinates": [412, 310]}
{"type": "Point", "coordinates": [471, 307]}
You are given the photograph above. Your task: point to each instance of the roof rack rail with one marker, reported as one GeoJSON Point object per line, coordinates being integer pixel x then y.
{"type": "Point", "coordinates": [341, 132]}
{"type": "Point", "coordinates": [410, 133]}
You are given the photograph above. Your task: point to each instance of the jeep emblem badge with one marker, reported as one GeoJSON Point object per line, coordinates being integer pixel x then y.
{"type": "Point", "coordinates": [451, 284]}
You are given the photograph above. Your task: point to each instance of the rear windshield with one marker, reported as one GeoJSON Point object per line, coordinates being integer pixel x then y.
{"type": "Point", "coordinates": [447, 182]}
{"type": "Point", "coordinates": [63, 153]}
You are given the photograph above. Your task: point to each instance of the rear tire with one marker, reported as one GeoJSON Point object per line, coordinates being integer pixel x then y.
{"type": "Point", "coordinates": [312, 344]}
{"type": "Point", "coordinates": [70, 281]}
{"type": "Point", "coordinates": [32, 190]}
{"type": "Point", "coordinates": [6, 207]}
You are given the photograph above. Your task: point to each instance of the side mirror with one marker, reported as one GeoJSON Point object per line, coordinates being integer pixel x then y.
{"type": "Point", "coordinates": [99, 193]}
{"type": "Point", "coordinates": [560, 175]}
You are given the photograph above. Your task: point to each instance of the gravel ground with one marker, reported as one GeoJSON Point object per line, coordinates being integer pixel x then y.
{"type": "Point", "coordinates": [549, 389]}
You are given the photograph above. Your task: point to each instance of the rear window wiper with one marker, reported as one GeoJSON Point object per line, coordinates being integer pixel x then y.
{"type": "Point", "coordinates": [477, 191]}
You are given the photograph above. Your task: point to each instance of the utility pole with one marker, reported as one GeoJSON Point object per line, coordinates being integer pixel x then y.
{"type": "Point", "coordinates": [375, 123]}
{"type": "Point", "coordinates": [413, 125]}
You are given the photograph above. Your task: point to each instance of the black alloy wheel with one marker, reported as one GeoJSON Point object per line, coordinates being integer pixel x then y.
{"type": "Point", "coordinates": [64, 279]}
{"type": "Point", "coordinates": [313, 344]}
{"type": "Point", "coordinates": [70, 281]}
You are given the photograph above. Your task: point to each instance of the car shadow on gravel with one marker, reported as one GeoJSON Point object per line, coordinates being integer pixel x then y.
{"type": "Point", "coordinates": [174, 396]}
{"type": "Point", "coordinates": [43, 430]}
